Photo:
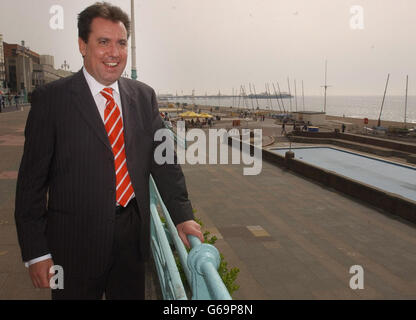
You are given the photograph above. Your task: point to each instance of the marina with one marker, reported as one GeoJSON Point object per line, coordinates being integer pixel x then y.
{"type": "Point", "coordinates": [358, 107]}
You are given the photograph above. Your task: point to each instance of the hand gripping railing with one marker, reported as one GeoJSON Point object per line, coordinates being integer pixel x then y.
{"type": "Point", "coordinates": [200, 265]}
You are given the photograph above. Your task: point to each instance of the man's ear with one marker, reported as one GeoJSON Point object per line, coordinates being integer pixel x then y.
{"type": "Point", "coordinates": [82, 47]}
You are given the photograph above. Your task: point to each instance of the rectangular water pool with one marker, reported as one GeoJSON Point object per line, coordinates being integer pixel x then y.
{"type": "Point", "coordinates": [385, 175]}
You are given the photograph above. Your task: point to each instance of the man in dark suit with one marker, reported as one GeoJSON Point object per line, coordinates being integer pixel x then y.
{"type": "Point", "coordinates": [82, 199]}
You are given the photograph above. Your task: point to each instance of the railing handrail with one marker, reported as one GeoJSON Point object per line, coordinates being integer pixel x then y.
{"type": "Point", "coordinates": [183, 254]}
{"type": "Point", "coordinates": [175, 137]}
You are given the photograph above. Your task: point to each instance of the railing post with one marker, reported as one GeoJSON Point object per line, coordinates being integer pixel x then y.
{"type": "Point", "coordinates": [203, 261]}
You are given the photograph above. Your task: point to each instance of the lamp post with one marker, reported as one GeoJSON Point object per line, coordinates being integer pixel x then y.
{"type": "Point", "coordinates": [65, 66]}
{"type": "Point", "coordinates": [325, 86]}
{"type": "Point", "coordinates": [133, 44]}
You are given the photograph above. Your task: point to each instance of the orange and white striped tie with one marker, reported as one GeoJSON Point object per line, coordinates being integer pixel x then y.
{"type": "Point", "coordinates": [114, 127]}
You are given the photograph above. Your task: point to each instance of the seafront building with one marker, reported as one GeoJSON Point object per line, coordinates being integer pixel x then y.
{"type": "Point", "coordinates": [19, 62]}
{"type": "Point", "coordinates": [44, 72]}
{"type": "Point", "coordinates": [2, 65]}
{"type": "Point", "coordinates": [22, 70]}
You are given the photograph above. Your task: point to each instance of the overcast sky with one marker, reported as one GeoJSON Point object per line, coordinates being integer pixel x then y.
{"type": "Point", "coordinates": [221, 44]}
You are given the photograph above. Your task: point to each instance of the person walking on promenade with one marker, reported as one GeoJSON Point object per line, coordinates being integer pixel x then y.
{"type": "Point", "coordinates": [283, 128]}
{"type": "Point", "coordinates": [1, 102]}
{"type": "Point", "coordinates": [16, 100]}
{"type": "Point", "coordinates": [82, 195]}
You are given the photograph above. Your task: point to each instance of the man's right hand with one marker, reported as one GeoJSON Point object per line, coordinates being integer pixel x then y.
{"type": "Point", "coordinates": [39, 273]}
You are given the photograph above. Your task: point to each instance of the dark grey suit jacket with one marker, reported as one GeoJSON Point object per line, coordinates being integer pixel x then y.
{"type": "Point", "coordinates": [65, 197]}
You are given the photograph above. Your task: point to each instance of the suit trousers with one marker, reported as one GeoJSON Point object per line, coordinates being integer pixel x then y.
{"type": "Point", "coordinates": [124, 278]}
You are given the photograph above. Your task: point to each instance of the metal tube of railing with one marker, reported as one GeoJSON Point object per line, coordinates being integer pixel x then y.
{"type": "Point", "coordinates": [175, 137]}
{"type": "Point", "coordinates": [182, 253]}
{"type": "Point", "coordinates": [216, 286]}
{"type": "Point", "coordinates": [194, 241]}
{"type": "Point", "coordinates": [179, 290]}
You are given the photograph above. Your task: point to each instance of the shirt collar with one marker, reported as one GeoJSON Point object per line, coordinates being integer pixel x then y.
{"type": "Point", "coordinates": [95, 86]}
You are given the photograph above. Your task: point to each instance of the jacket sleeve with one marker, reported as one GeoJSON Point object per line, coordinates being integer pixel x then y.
{"type": "Point", "coordinates": [33, 178]}
{"type": "Point", "coordinates": [169, 178]}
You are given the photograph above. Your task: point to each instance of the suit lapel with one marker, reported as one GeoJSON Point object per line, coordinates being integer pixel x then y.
{"type": "Point", "coordinates": [129, 105]}
{"type": "Point", "coordinates": [84, 102]}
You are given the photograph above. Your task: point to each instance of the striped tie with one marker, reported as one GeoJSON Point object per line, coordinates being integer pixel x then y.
{"type": "Point", "coordinates": [114, 127]}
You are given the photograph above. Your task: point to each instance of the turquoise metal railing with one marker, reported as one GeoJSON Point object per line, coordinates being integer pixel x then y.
{"type": "Point", "coordinates": [170, 281]}
{"type": "Point", "coordinates": [175, 137]}
{"type": "Point", "coordinates": [200, 265]}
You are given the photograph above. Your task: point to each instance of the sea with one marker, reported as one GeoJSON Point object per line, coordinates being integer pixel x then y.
{"type": "Point", "coordinates": [349, 106]}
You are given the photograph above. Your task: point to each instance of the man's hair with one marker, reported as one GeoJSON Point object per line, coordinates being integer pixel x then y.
{"type": "Point", "coordinates": [103, 10]}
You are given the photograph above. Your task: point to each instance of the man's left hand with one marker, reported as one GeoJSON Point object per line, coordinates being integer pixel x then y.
{"type": "Point", "coordinates": [190, 227]}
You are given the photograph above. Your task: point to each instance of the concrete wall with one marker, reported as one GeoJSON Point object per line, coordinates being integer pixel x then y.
{"type": "Point", "coordinates": [396, 145]}
{"type": "Point", "coordinates": [392, 203]}
{"type": "Point", "coordinates": [315, 118]}
{"type": "Point", "coordinates": [47, 60]}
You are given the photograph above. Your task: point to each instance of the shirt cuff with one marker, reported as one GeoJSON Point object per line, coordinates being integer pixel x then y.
{"type": "Point", "coordinates": [36, 260]}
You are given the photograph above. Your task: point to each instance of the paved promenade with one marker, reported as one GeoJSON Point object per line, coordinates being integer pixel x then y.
{"type": "Point", "coordinates": [14, 278]}
{"type": "Point", "coordinates": [295, 239]}
{"type": "Point", "coordinates": [290, 237]}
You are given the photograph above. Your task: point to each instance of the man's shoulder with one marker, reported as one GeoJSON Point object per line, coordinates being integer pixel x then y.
{"type": "Point", "coordinates": [135, 84]}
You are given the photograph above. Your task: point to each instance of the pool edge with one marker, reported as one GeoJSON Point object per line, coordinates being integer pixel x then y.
{"type": "Point", "coordinates": [384, 200]}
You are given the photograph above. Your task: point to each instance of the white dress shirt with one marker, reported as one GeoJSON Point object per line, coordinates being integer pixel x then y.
{"type": "Point", "coordinates": [100, 101]}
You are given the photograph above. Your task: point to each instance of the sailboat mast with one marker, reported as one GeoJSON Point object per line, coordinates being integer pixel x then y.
{"type": "Point", "coordinates": [277, 98]}
{"type": "Point", "coordinates": [325, 86]}
{"type": "Point", "coordinates": [405, 103]}
{"type": "Point", "coordinates": [296, 98]}
{"type": "Point", "coordinates": [268, 95]}
{"type": "Point", "coordinates": [251, 96]}
{"type": "Point", "coordinates": [255, 93]}
{"type": "Point", "coordinates": [303, 97]}
{"type": "Point", "coordinates": [281, 98]}
{"type": "Point", "coordinates": [382, 104]}
{"type": "Point", "coordinates": [290, 94]}
{"type": "Point", "coordinates": [245, 97]}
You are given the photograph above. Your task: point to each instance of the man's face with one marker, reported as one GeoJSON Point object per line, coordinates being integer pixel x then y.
{"type": "Point", "coordinates": [105, 54]}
